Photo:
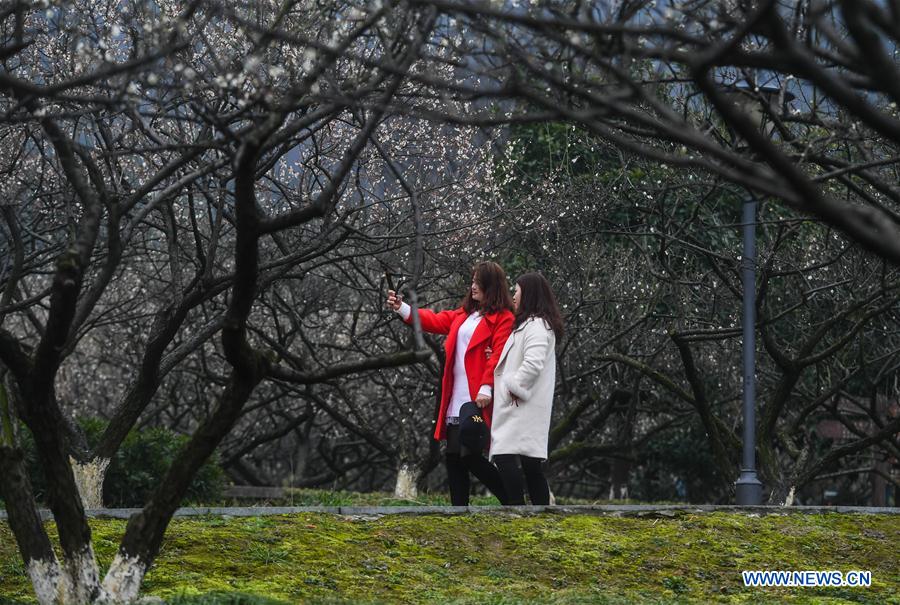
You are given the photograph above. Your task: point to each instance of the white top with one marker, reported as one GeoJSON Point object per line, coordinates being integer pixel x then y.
{"type": "Point", "coordinates": [460, 393]}
{"type": "Point", "coordinates": [405, 311]}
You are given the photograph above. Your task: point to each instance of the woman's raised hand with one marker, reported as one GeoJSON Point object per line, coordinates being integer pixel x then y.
{"type": "Point", "coordinates": [394, 300]}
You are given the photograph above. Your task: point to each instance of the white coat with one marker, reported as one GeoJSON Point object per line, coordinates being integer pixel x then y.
{"type": "Point", "coordinates": [526, 370]}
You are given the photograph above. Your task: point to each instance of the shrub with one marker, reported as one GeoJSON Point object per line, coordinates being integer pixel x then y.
{"type": "Point", "coordinates": [137, 467]}
{"type": "Point", "coordinates": [141, 462]}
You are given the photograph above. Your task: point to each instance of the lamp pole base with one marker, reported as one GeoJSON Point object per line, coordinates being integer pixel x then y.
{"type": "Point", "coordinates": [748, 488]}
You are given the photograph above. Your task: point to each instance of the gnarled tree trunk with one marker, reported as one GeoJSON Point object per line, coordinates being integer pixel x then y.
{"type": "Point", "coordinates": [89, 478]}
{"type": "Point", "coordinates": [407, 478]}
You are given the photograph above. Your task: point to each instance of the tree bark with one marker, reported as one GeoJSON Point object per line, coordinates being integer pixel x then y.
{"type": "Point", "coordinates": [34, 545]}
{"type": "Point", "coordinates": [89, 477]}
{"type": "Point", "coordinates": [407, 479]}
{"type": "Point", "coordinates": [145, 530]}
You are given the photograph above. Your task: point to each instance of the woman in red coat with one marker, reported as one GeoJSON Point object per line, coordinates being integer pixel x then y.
{"type": "Point", "coordinates": [484, 320]}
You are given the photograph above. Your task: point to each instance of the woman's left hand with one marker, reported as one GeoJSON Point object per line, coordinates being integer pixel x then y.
{"type": "Point", "coordinates": [482, 401]}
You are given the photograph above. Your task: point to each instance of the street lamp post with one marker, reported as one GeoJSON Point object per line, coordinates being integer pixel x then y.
{"type": "Point", "coordinates": [748, 488]}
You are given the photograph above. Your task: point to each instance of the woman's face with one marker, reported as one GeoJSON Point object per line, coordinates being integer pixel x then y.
{"type": "Point", "coordinates": [517, 296]}
{"type": "Point", "coordinates": [477, 292]}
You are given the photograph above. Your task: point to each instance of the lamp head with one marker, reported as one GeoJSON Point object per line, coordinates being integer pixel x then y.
{"type": "Point", "coordinates": [758, 102]}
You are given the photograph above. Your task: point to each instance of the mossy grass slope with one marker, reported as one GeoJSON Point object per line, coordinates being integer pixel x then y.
{"type": "Point", "coordinates": [501, 558]}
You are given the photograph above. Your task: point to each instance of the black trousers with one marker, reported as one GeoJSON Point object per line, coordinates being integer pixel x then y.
{"type": "Point", "coordinates": [460, 462]}
{"type": "Point", "coordinates": [517, 472]}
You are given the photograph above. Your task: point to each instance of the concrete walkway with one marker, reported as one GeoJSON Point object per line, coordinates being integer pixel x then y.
{"type": "Point", "coordinates": [629, 510]}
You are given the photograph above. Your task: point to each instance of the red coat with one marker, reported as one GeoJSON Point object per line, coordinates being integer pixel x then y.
{"type": "Point", "coordinates": [492, 331]}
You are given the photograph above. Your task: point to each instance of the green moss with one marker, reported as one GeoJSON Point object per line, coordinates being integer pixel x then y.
{"type": "Point", "coordinates": [500, 559]}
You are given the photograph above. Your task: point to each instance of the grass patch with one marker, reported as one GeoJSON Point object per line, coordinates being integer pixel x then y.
{"type": "Point", "coordinates": [317, 497]}
{"type": "Point", "coordinates": [501, 559]}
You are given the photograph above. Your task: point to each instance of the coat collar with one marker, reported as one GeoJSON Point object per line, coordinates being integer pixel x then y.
{"type": "Point", "coordinates": [484, 329]}
{"type": "Point", "coordinates": [512, 337]}
{"type": "Point", "coordinates": [507, 347]}
{"type": "Point", "coordinates": [489, 317]}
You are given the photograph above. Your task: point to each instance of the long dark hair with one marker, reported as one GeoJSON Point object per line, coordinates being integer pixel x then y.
{"type": "Point", "coordinates": [494, 289]}
{"type": "Point", "coordinates": [536, 299]}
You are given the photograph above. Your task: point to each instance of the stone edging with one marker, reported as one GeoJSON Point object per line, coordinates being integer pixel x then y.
{"type": "Point", "coordinates": [633, 510]}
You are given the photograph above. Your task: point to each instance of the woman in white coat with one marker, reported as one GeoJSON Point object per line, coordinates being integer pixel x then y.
{"type": "Point", "coordinates": [523, 391]}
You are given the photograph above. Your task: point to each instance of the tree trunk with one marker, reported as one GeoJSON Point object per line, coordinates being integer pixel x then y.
{"type": "Point", "coordinates": [74, 583]}
{"type": "Point", "coordinates": [34, 545]}
{"type": "Point", "coordinates": [785, 483]}
{"type": "Point", "coordinates": [89, 478]}
{"type": "Point", "coordinates": [618, 488]}
{"type": "Point", "coordinates": [50, 586]}
{"type": "Point", "coordinates": [783, 493]}
{"type": "Point", "coordinates": [144, 532]}
{"type": "Point", "coordinates": [784, 490]}
{"type": "Point", "coordinates": [621, 468]}
{"type": "Point", "coordinates": [405, 487]}
{"type": "Point", "coordinates": [789, 497]}
{"type": "Point", "coordinates": [123, 580]}
{"type": "Point", "coordinates": [82, 577]}
{"type": "Point", "coordinates": [78, 579]}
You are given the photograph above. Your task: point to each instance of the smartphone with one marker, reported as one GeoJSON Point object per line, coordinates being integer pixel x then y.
{"type": "Point", "coordinates": [390, 282]}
